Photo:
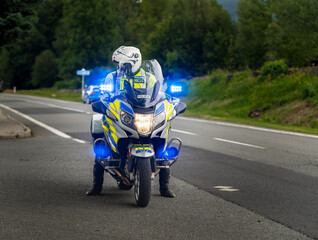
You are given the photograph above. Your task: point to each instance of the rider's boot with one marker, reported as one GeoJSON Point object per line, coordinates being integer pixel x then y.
{"type": "Point", "coordinates": [98, 179]}
{"type": "Point", "coordinates": [164, 176]}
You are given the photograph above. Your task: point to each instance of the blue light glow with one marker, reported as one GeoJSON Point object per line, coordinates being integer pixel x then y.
{"type": "Point", "coordinates": [170, 152]}
{"type": "Point", "coordinates": [176, 89]}
{"type": "Point", "coordinates": [101, 151]}
{"type": "Point", "coordinates": [107, 87]}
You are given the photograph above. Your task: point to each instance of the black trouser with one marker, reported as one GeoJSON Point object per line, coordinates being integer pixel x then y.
{"type": "Point", "coordinates": [164, 176]}
{"type": "Point", "coordinates": [98, 174]}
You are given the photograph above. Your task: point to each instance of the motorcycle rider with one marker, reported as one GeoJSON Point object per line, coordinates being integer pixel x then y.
{"type": "Point", "coordinates": [129, 62]}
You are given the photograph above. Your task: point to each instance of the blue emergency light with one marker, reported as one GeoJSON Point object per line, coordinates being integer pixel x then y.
{"type": "Point", "coordinates": [107, 87]}
{"type": "Point", "coordinates": [176, 89]}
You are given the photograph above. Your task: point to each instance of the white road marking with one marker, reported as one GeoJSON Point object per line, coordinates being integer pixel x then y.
{"type": "Point", "coordinates": [61, 107]}
{"type": "Point", "coordinates": [79, 140]}
{"type": "Point", "coordinates": [180, 131]}
{"type": "Point", "coordinates": [47, 127]}
{"type": "Point", "coordinates": [238, 143]}
{"type": "Point", "coordinates": [65, 108]}
{"type": "Point", "coordinates": [250, 127]}
{"type": "Point", "coordinates": [226, 188]}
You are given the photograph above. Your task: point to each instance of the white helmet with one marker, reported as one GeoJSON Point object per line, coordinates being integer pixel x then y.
{"type": "Point", "coordinates": [130, 55]}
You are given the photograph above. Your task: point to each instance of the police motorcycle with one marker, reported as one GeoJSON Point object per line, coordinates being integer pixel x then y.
{"type": "Point", "coordinates": [131, 133]}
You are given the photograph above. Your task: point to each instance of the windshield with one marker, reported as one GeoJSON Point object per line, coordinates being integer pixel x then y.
{"type": "Point", "coordinates": [148, 95]}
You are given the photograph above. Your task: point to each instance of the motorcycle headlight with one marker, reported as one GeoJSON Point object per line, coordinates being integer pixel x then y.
{"type": "Point", "coordinates": [143, 123]}
{"type": "Point", "coordinates": [159, 120]}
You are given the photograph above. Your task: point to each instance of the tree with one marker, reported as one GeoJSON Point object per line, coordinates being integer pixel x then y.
{"type": "Point", "coordinates": [192, 38]}
{"type": "Point", "coordinates": [89, 32]}
{"type": "Point", "coordinates": [16, 21]}
{"type": "Point", "coordinates": [45, 70]}
{"type": "Point", "coordinates": [296, 32]}
{"type": "Point", "coordinates": [5, 72]}
{"type": "Point", "coordinates": [27, 38]}
{"type": "Point", "coordinates": [253, 19]}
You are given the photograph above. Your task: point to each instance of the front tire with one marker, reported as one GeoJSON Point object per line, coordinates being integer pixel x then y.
{"type": "Point", "coordinates": [142, 190]}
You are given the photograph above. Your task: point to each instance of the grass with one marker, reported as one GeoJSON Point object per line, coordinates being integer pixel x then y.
{"type": "Point", "coordinates": [53, 93]}
{"type": "Point", "coordinates": [288, 102]}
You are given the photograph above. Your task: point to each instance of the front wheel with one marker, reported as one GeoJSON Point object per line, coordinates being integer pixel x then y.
{"type": "Point", "coordinates": [142, 188]}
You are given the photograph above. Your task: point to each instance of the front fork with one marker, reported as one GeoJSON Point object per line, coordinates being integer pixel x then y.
{"type": "Point", "coordinates": [140, 152]}
{"type": "Point", "coordinates": [165, 159]}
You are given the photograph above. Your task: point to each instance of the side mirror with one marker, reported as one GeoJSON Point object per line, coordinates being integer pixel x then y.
{"type": "Point", "coordinates": [99, 107]}
{"type": "Point", "coordinates": [181, 108]}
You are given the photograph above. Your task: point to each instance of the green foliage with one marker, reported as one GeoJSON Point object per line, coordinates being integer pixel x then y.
{"type": "Point", "coordinates": [90, 31]}
{"type": "Point", "coordinates": [193, 38]}
{"type": "Point", "coordinates": [49, 13]}
{"type": "Point", "coordinates": [309, 92]}
{"type": "Point", "coordinates": [188, 37]}
{"type": "Point", "coordinates": [45, 70]}
{"type": "Point", "coordinates": [272, 30]}
{"type": "Point", "coordinates": [67, 84]}
{"type": "Point", "coordinates": [16, 21]}
{"type": "Point", "coordinates": [253, 18]}
{"type": "Point", "coordinates": [292, 100]}
{"type": "Point", "coordinates": [5, 67]}
{"type": "Point", "coordinates": [272, 70]}
{"type": "Point", "coordinates": [230, 6]}
{"type": "Point", "coordinates": [22, 49]}
{"type": "Point", "coordinates": [297, 31]}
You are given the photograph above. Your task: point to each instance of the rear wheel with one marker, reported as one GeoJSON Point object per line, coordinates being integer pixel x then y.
{"type": "Point", "coordinates": [142, 188]}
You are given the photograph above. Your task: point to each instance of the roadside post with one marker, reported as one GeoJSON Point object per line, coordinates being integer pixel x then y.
{"type": "Point", "coordinates": [83, 73]}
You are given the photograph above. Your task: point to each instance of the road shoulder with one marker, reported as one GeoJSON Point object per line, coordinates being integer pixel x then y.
{"type": "Point", "coordinates": [11, 128]}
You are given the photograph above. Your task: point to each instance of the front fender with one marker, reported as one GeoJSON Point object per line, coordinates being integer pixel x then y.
{"type": "Point", "coordinates": [142, 150]}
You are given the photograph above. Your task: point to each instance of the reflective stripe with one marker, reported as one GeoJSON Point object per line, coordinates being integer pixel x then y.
{"type": "Point", "coordinates": [112, 142]}
{"type": "Point", "coordinates": [140, 80]}
{"type": "Point", "coordinates": [126, 108]}
{"type": "Point", "coordinates": [159, 108]}
{"type": "Point", "coordinates": [114, 108]}
{"type": "Point", "coordinates": [115, 138]}
{"type": "Point", "coordinates": [151, 80]}
{"type": "Point", "coordinates": [109, 121]}
{"type": "Point", "coordinates": [169, 109]}
{"type": "Point", "coordinates": [105, 126]}
{"type": "Point", "coordinates": [167, 136]}
{"type": "Point", "coordinates": [116, 103]}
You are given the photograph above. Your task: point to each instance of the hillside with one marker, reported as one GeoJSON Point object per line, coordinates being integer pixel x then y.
{"type": "Point", "coordinates": [287, 102]}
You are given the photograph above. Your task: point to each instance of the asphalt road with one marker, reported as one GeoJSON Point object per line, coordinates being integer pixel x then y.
{"type": "Point", "coordinates": [232, 182]}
